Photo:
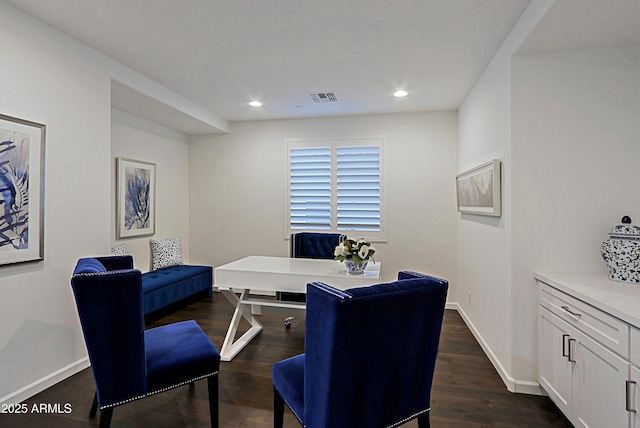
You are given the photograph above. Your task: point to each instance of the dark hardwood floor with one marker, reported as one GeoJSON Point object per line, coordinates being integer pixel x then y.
{"type": "Point", "coordinates": [467, 392]}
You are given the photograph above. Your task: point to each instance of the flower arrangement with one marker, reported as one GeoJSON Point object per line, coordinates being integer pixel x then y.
{"type": "Point", "coordinates": [358, 251]}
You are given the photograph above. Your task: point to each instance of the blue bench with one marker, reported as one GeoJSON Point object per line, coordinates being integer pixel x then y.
{"type": "Point", "coordinates": [160, 288]}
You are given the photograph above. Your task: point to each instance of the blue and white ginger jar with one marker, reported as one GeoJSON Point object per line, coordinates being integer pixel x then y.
{"type": "Point", "coordinates": [621, 252]}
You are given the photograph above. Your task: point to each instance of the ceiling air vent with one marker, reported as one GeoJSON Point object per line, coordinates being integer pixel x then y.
{"type": "Point", "coordinates": [323, 97]}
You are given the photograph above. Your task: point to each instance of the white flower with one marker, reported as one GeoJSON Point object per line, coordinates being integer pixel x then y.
{"type": "Point", "coordinates": [340, 250]}
{"type": "Point", "coordinates": [352, 249]}
{"type": "Point", "coordinates": [364, 251]}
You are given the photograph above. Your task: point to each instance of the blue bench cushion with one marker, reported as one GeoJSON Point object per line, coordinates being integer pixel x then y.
{"type": "Point", "coordinates": [165, 286]}
{"type": "Point", "coordinates": [162, 277]}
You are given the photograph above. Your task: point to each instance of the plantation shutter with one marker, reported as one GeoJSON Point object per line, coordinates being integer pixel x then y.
{"type": "Point", "coordinates": [358, 188]}
{"type": "Point", "coordinates": [310, 188]}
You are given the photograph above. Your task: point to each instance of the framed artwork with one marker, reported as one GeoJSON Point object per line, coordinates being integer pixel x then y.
{"type": "Point", "coordinates": [136, 194]}
{"type": "Point", "coordinates": [478, 189]}
{"type": "Point", "coordinates": [21, 190]}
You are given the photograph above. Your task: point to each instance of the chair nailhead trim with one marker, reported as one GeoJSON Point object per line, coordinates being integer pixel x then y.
{"type": "Point", "coordinates": [292, 411]}
{"type": "Point", "coordinates": [107, 406]}
{"type": "Point", "coordinates": [422, 275]}
{"type": "Point", "coordinates": [332, 290]}
{"type": "Point", "coordinates": [405, 420]}
{"type": "Point", "coordinates": [109, 272]}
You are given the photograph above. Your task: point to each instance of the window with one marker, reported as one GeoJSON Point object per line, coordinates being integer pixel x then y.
{"type": "Point", "coordinates": [336, 186]}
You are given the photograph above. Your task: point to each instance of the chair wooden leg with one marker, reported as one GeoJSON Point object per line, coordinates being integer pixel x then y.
{"type": "Point", "coordinates": [94, 406]}
{"type": "Point", "coordinates": [212, 383]}
{"type": "Point", "coordinates": [105, 418]}
{"type": "Point", "coordinates": [278, 409]}
{"type": "Point", "coordinates": [423, 421]}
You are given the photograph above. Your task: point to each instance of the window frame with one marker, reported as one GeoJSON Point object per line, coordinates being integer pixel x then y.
{"type": "Point", "coordinates": [333, 144]}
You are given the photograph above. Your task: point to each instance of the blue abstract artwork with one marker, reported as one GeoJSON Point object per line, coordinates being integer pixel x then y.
{"type": "Point", "coordinates": [136, 198]}
{"type": "Point", "coordinates": [137, 208]}
{"type": "Point", "coordinates": [14, 190]}
{"type": "Point", "coordinates": [21, 190]}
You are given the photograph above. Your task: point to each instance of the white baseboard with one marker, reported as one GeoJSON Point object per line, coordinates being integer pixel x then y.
{"type": "Point", "coordinates": [45, 382]}
{"type": "Point", "coordinates": [513, 385]}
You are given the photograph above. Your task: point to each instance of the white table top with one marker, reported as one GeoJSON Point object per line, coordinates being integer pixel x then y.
{"type": "Point", "coordinates": [622, 300]}
{"type": "Point", "coordinates": [290, 274]}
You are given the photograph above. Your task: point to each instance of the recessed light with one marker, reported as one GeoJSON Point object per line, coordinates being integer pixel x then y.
{"type": "Point", "coordinates": [255, 103]}
{"type": "Point", "coordinates": [401, 93]}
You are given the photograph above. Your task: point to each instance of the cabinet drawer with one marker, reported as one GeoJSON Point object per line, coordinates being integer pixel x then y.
{"type": "Point", "coordinates": [635, 347]}
{"type": "Point", "coordinates": [600, 326]}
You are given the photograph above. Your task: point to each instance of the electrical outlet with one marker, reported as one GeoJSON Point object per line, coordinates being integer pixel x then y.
{"type": "Point", "coordinates": [469, 297]}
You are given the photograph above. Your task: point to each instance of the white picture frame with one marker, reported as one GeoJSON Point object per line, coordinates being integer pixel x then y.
{"type": "Point", "coordinates": [22, 154]}
{"type": "Point", "coordinates": [478, 189]}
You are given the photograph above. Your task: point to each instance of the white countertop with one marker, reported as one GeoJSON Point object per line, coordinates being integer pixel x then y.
{"type": "Point", "coordinates": [620, 299]}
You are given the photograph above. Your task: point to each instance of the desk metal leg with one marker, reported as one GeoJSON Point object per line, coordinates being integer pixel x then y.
{"type": "Point", "coordinates": [229, 347]}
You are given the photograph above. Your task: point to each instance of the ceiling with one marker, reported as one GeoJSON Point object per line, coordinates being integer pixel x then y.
{"type": "Point", "coordinates": [222, 54]}
{"type": "Point", "coordinates": [584, 24]}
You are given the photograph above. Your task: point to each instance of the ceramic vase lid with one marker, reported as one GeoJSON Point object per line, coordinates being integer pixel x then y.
{"type": "Point", "coordinates": [625, 230]}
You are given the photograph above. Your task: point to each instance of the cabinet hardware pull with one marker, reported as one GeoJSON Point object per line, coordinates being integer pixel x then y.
{"type": "Point", "coordinates": [630, 384]}
{"type": "Point", "coordinates": [564, 347]}
{"type": "Point", "coordinates": [570, 357]}
{"type": "Point", "coordinates": [575, 314]}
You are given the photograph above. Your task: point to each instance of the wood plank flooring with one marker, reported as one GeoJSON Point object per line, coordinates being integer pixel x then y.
{"type": "Point", "coordinates": [467, 391]}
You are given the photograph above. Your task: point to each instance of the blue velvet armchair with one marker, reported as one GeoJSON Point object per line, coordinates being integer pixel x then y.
{"type": "Point", "coordinates": [129, 363]}
{"type": "Point", "coordinates": [369, 358]}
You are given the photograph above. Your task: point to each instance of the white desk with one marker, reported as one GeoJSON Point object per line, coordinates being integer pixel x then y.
{"type": "Point", "coordinates": [261, 273]}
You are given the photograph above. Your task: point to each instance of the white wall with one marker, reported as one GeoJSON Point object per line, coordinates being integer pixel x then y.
{"type": "Point", "coordinates": [135, 138]}
{"type": "Point", "coordinates": [485, 249]}
{"type": "Point", "coordinates": [566, 126]}
{"type": "Point", "coordinates": [52, 79]}
{"type": "Point", "coordinates": [575, 155]}
{"type": "Point", "coordinates": [46, 79]}
{"type": "Point", "coordinates": [238, 188]}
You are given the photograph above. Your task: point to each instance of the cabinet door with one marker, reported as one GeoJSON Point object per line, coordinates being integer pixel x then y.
{"type": "Point", "coordinates": [556, 371]}
{"type": "Point", "coordinates": [599, 385]}
{"type": "Point", "coordinates": [634, 397]}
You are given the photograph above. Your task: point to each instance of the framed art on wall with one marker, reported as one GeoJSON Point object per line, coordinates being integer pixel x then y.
{"type": "Point", "coordinates": [21, 190]}
{"type": "Point", "coordinates": [478, 189]}
{"type": "Point", "coordinates": [136, 198]}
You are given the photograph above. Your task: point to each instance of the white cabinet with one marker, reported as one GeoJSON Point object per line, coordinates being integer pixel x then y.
{"type": "Point", "coordinates": [599, 385]}
{"type": "Point", "coordinates": [633, 393]}
{"type": "Point", "coordinates": [584, 360]}
{"type": "Point", "coordinates": [555, 369]}
{"type": "Point", "coordinates": [633, 384]}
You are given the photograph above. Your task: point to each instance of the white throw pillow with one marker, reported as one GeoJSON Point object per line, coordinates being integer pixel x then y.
{"type": "Point", "coordinates": [120, 250]}
{"type": "Point", "coordinates": [166, 252]}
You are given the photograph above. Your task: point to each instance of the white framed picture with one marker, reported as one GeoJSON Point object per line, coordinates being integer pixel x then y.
{"type": "Point", "coordinates": [21, 190]}
{"type": "Point", "coordinates": [478, 189]}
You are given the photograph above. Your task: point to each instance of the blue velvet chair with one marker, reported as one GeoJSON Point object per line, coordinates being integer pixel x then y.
{"type": "Point", "coordinates": [129, 363]}
{"type": "Point", "coordinates": [369, 358]}
{"type": "Point", "coordinates": [309, 245]}
{"type": "Point", "coordinates": [314, 245]}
